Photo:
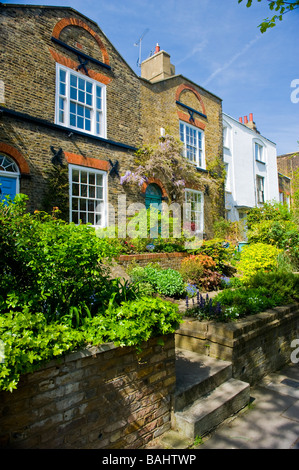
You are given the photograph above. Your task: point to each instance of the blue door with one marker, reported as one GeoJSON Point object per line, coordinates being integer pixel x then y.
{"type": "Point", "coordinates": [153, 197]}
{"type": "Point", "coordinates": [8, 187]}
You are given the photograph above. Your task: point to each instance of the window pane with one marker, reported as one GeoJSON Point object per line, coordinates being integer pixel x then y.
{"type": "Point", "coordinates": [91, 218]}
{"type": "Point", "coordinates": [80, 123]}
{"type": "Point", "coordinates": [75, 175]}
{"type": "Point", "coordinates": [73, 80]}
{"type": "Point", "coordinates": [81, 96]}
{"type": "Point", "coordinates": [88, 87]}
{"type": "Point", "coordinates": [82, 205]}
{"type": "Point", "coordinates": [73, 93]}
{"type": "Point", "coordinates": [81, 84]}
{"type": "Point", "coordinates": [99, 180]}
{"type": "Point", "coordinates": [91, 178]}
{"type": "Point", "coordinates": [62, 75]}
{"type": "Point", "coordinates": [99, 193]}
{"type": "Point", "coordinates": [83, 190]}
{"type": "Point", "coordinates": [83, 217]}
{"type": "Point", "coordinates": [83, 177]}
{"type": "Point", "coordinates": [75, 189]}
{"type": "Point", "coordinates": [91, 191]}
{"type": "Point", "coordinates": [75, 218]}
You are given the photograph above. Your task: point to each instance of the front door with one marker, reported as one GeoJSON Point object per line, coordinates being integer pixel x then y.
{"type": "Point", "coordinates": [153, 197]}
{"type": "Point", "coordinates": [8, 187]}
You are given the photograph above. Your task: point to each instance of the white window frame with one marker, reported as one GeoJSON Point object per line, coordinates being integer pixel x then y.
{"type": "Point", "coordinates": [260, 191]}
{"type": "Point", "coordinates": [259, 152]}
{"type": "Point", "coordinates": [63, 100]}
{"type": "Point", "coordinates": [103, 210]}
{"type": "Point", "coordinates": [199, 211]}
{"type": "Point", "coordinates": [199, 151]}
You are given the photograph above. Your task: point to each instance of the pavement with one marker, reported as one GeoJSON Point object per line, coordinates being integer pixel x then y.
{"type": "Point", "coordinates": [269, 421]}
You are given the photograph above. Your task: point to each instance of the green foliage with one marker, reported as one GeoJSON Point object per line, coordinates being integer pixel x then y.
{"type": "Point", "coordinates": [280, 6]}
{"type": "Point", "coordinates": [282, 283]}
{"type": "Point", "coordinates": [165, 162]}
{"type": "Point", "coordinates": [220, 251]}
{"type": "Point", "coordinates": [228, 230]}
{"type": "Point", "coordinates": [201, 270]}
{"type": "Point", "coordinates": [168, 282]}
{"type": "Point", "coordinates": [57, 194]}
{"type": "Point", "coordinates": [49, 265]}
{"type": "Point", "coordinates": [30, 341]}
{"type": "Point", "coordinates": [257, 257]}
{"type": "Point", "coordinates": [134, 322]}
{"type": "Point", "coordinates": [246, 301]}
{"type": "Point", "coordinates": [274, 224]}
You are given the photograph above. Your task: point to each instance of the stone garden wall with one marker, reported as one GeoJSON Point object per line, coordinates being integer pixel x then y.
{"type": "Point", "coordinates": [255, 345]}
{"type": "Point", "coordinates": [99, 398]}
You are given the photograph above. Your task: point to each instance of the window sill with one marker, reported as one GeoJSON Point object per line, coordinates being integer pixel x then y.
{"type": "Point", "coordinates": [260, 161]}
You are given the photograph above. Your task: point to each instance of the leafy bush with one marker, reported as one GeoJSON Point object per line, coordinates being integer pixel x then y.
{"type": "Point", "coordinates": [30, 341]}
{"type": "Point", "coordinates": [168, 282]}
{"type": "Point", "coordinates": [269, 211]}
{"type": "Point", "coordinates": [257, 257]}
{"type": "Point", "coordinates": [275, 224]}
{"type": "Point", "coordinates": [201, 270]}
{"type": "Point", "coordinates": [278, 283]}
{"type": "Point", "coordinates": [220, 251]}
{"type": "Point", "coordinates": [51, 266]}
{"type": "Point", "coordinates": [246, 301]}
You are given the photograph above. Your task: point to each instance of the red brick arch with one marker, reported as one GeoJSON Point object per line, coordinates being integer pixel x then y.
{"type": "Point", "coordinates": [16, 156]}
{"type": "Point", "coordinates": [182, 115]}
{"type": "Point", "coordinates": [157, 182]}
{"type": "Point", "coordinates": [79, 23]}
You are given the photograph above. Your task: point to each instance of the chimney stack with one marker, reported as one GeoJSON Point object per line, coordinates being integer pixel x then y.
{"type": "Point", "coordinates": [251, 123]}
{"type": "Point", "coordinates": [158, 66]}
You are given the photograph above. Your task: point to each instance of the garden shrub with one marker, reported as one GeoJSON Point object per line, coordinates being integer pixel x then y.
{"type": "Point", "coordinates": [220, 251]}
{"type": "Point", "coordinates": [201, 270]}
{"type": "Point", "coordinates": [282, 283]}
{"type": "Point", "coordinates": [30, 341]}
{"type": "Point", "coordinates": [246, 301]}
{"type": "Point", "coordinates": [257, 257]}
{"type": "Point", "coordinates": [168, 282]}
{"type": "Point", "coordinates": [50, 265]}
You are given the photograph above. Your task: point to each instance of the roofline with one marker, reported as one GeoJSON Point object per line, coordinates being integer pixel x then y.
{"type": "Point", "coordinates": [184, 78]}
{"type": "Point", "coordinates": [11, 5]}
{"type": "Point", "coordinates": [290, 154]}
{"type": "Point", "coordinates": [248, 128]}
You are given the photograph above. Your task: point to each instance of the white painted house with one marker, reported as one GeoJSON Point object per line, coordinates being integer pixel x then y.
{"type": "Point", "coordinates": [251, 167]}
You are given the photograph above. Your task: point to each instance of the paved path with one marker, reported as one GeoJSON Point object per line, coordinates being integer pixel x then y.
{"type": "Point", "coordinates": [271, 421]}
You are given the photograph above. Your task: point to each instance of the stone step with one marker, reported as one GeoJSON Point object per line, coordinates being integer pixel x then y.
{"type": "Point", "coordinates": [197, 375]}
{"type": "Point", "coordinates": [211, 410]}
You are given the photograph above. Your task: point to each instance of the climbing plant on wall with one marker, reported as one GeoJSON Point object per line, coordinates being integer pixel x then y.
{"type": "Point", "coordinates": [165, 161]}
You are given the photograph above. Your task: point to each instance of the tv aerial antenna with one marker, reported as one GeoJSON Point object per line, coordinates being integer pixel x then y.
{"type": "Point", "coordinates": [138, 44]}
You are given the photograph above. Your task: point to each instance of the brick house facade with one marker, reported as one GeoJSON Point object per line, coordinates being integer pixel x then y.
{"type": "Point", "coordinates": [69, 98]}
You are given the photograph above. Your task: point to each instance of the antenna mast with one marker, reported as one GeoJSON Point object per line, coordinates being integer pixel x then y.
{"type": "Point", "coordinates": [138, 43]}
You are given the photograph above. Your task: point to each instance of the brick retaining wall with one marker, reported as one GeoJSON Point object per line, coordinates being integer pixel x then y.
{"type": "Point", "coordinates": [256, 345]}
{"type": "Point", "coordinates": [99, 398]}
{"type": "Point", "coordinates": [166, 260]}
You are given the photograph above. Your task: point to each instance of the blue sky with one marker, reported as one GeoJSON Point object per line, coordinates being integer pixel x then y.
{"type": "Point", "coordinates": [216, 44]}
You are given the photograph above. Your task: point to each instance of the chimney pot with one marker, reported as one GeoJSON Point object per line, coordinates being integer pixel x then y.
{"type": "Point", "coordinates": [245, 119]}
{"type": "Point", "coordinates": [251, 117]}
{"type": "Point", "coordinates": [157, 49]}
{"type": "Point", "coordinates": [241, 120]}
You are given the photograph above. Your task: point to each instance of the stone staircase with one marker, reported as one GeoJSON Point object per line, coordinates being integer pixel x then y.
{"type": "Point", "coordinates": [206, 395]}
